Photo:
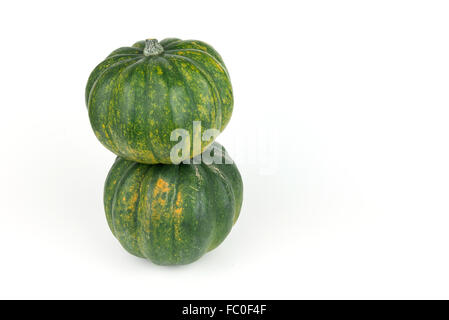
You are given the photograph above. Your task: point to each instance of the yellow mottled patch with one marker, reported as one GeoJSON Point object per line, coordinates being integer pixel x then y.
{"type": "Point", "coordinates": [178, 205]}
{"type": "Point", "coordinates": [219, 67]}
{"type": "Point", "coordinates": [145, 156]}
{"type": "Point", "coordinates": [200, 46]}
{"type": "Point", "coordinates": [104, 131]}
{"type": "Point", "coordinates": [160, 192]}
{"type": "Point", "coordinates": [159, 70]}
{"type": "Point", "coordinates": [133, 200]}
{"type": "Point", "coordinates": [161, 186]}
{"type": "Point", "coordinates": [177, 216]}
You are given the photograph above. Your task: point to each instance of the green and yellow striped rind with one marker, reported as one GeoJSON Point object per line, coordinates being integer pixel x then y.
{"type": "Point", "coordinates": [136, 101]}
{"type": "Point", "coordinates": [172, 214]}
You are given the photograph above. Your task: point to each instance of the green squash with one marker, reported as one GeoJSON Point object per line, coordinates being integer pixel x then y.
{"type": "Point", "coordinates": [138, 95]}
{"type": "Point", "coordinates": [172, 214]}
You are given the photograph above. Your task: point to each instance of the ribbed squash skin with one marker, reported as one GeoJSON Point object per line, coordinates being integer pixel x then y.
{"type": "Point", "coordinates": [172, 214]}
{"type": "Point", "coordinates": [136, 101]}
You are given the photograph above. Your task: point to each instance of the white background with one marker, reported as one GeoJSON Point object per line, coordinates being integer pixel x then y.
{"type": "Point", "coordinates": [340, 131]}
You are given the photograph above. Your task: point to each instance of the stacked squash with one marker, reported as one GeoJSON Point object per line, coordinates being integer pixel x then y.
{"type": "Point", "coordinates": [168, 211]}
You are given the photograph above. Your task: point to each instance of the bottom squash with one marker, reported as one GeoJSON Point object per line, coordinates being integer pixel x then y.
{"type": "Point", "coordinates": [172, 214]}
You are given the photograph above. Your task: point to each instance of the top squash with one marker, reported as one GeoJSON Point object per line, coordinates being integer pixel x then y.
{"type": "Point", "coordinates": [139, 95]}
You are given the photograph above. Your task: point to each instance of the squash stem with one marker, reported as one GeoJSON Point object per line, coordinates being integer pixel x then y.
{"type": "Point", "coordinates": [152, 48]}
